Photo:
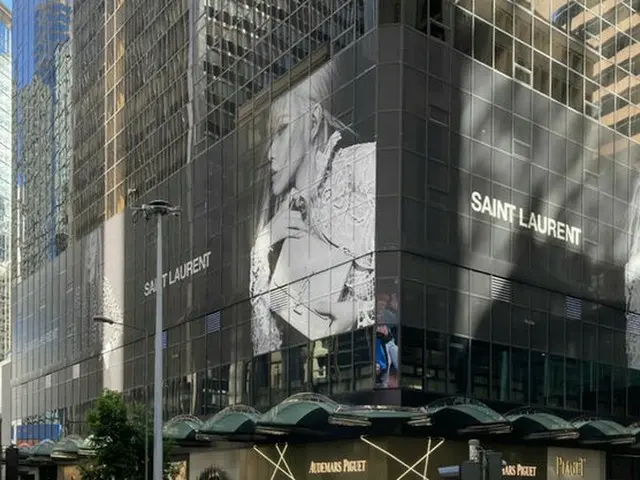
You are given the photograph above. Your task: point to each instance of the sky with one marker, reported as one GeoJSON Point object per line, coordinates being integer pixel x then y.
{"type": "Point", "coordinates": [7, 3]}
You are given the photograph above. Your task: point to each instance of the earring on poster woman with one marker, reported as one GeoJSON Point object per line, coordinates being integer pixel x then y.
{"type": "Point", "coordinates": [316, 121]}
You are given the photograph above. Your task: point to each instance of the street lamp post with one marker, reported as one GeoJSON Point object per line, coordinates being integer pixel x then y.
{"type": "Point", "coordinates": [157, 209]}
{"type": "Point", "coordinates": [108, 321]}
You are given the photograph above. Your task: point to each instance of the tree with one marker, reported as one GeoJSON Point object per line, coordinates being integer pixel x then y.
{"type": "Point", "coordinates": [118, 435]}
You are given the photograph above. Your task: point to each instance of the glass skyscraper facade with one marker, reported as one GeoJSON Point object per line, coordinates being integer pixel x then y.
{"type": "Point", "coordinates": [42, 153]}
{"type": "Point", "coordinates": [456, 180]}
{"type": "Point", "coordinates": [5, 180]}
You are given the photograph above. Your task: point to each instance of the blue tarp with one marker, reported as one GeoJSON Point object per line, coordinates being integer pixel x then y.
{"type": "Point", "coordinates": [38, 431]}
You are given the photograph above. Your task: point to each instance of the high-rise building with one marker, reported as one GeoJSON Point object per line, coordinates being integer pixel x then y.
{"type": "Point", "coordinates": [416, 202]}
{"type": "Point", "coordinates": [41, 64]}
{"type": "Point", "coordinates": [5, 180]}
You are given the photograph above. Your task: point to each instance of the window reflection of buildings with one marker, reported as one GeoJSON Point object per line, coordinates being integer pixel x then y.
{"type": "Point", "coordinates": [584, 56]}
{"type": "Point", "coordinates": [245, 47]}
{"type": "Point", "coordinates": [5, 181]}
{"type": "Point", "coordinates": [42, 116]}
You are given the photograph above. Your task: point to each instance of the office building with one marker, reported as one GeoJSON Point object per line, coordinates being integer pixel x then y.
{"type": "Point", "coordinates": [5, 180]}
{"type": "Point", "coordinates": [454, 179]}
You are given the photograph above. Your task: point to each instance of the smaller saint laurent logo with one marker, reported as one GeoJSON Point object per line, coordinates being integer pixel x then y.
{"type": "Point", "coordinates": [338, 466]}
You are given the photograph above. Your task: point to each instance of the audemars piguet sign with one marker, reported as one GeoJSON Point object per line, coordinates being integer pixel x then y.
{"type": "Point", "coordinates": [519, 470]}
{"type": "Point", "coordinates": [180, 273]}
{"type": "Point", "coordinates": [574, 464]}
{"type": "Point", "coordinates": [344, 465]}
{"type": "Point", "coordinates": [510, 213]}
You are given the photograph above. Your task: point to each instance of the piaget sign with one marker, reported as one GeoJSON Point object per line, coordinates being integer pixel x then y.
{"type": "Point", "coordinates": [184, 271]}
{"type": "Point", "coordinates": [570, 467]}
{"type": "Point", "coordinates": [574, 464]}
{"type": "Point", "coordinates": [339, 466]}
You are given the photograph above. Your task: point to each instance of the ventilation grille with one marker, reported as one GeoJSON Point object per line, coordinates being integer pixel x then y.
{"type": "Point", "coordinates": [633, 323]}
{"type": "Point", "coordinates": [212, 322]}
{"type": "Point", "coordinates": [500, 289]}
{"type": "Point", "coordinates": [279, 299]}
{"type": "Point", "coordinates": [573, 308]}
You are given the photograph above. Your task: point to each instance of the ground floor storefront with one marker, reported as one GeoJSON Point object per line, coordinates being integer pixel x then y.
{"type": "Point", "coordinates": [623, 467]}
{"type": "Point", "coordinates": [376, 458]}
{"type": "Point", "coordinates": [389, 458]}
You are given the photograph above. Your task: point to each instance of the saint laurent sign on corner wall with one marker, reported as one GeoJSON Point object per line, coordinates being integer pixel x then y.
{"type": "Point", "coordinates": [184, 271]}
{"type": "Point", "coordinates": [511, 213]}
{"type": "Point", "coordinates": [338, 466]}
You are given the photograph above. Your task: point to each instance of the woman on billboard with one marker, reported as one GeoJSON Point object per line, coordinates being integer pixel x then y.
{"type": "Point", "coordinates": [312, 263]}
{"type": "Point", "coordinates": [632, 283]}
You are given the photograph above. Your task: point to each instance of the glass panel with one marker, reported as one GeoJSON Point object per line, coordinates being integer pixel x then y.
{"type": "Point", "coordinates": [480, 369]}
{"type": "Point", "coordinates": [500, 374]}
{"type": "Point", "coordinates": [589, 385]}
{"type": "Point", "coordinates": [604, 390]}
{"type": "Point", "coordinates": [573, 394]}
{"type": "Point", "coordinates": [458, 365]}
{"type": "Point", "coordinates": [436, 357]}
{"type": "Point", "coordinates": [412, 358]}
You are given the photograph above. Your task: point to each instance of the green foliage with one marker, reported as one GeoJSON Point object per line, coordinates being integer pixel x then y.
{"type": "Point", "coordinates": [118, 434]}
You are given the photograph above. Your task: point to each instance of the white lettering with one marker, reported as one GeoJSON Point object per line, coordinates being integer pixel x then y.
{"type": "Point", "coordinates": [184, 271]}
{"type": "Point", "coordinates": [476, 201]}
{"type": "Point", "coordinates": [537, 222]}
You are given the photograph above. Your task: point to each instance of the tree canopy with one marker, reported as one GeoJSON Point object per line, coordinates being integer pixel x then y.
{"type": "Point", "coordinates": [118, 436]}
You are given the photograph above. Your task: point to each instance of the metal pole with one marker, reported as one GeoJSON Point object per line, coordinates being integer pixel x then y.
{"type": "Point", "coordinates": [146, 406]}
{"type": "Point", "coordinates": [157, 386]}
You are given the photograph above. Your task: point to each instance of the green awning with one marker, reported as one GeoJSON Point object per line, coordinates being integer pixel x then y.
{"type": "Point", "coordinates": [182, 428]}
{"type": "Point", "coordinates": [87, 448]}
{"type": "Point", "coordinates": [24, 452]}
{"type": "Point", "coordinates": [533, 424]}
{"type": "Point", "coordinates": [234, 420]}
{"type": "Point", "coordinates": [67, 448]}
{"type": "Point", "coordinates": [635, 429]}
{"type": "Point", "coordinates": [42, 449]}
{"type": "Point", "coordinates": [465, 416]}
{"type": "Point", "coordinates": [302, 412]}
{"type": "Point", "coordinates": [599, 431]}
{"type": "Point", "coordinates": [368, 415]}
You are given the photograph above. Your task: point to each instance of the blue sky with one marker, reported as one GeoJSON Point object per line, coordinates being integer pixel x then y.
{"type": "Point", "coordinates": [7, 3]}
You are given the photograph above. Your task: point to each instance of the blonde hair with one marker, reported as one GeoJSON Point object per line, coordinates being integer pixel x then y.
{"type": "Point", "coordinates": [315, 89]}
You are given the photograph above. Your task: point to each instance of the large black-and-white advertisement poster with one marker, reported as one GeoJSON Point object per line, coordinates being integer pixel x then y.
{"type": "Point", "coordinates": [312, 262]}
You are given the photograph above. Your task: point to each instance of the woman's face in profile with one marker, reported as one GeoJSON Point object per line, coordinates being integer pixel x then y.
{"type": "Point", "coordinates": [290, 141]}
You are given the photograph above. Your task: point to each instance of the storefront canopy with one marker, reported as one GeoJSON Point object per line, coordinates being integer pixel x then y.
{"type": "Point", "coordinates": [183, 428]}
{"type": "Point", "coordinates": [24, 452]}
{"type": "Point", "coordinates": [635, 429]}
{"type": "Point", "coordinates": [41, 453]}
{"type": "Point", "coordinates": [302, 413]}
{"type": "Point", "coordinates": [466, 416]}
{"type": "Point", "coordinates": [67, 448]}
{"type": "Point", "coordinates": [232, 422]}
{"type": "Point", "coordinates": [42, 449]}
{"type": "Point", "coordinates": [379, 415]}
{"type": "Point", "coordinates": [533, 424]}
{"type": "Point", "coordinates": [87, 448]}
{"type": "Point", "coordinates": [595, 431]}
